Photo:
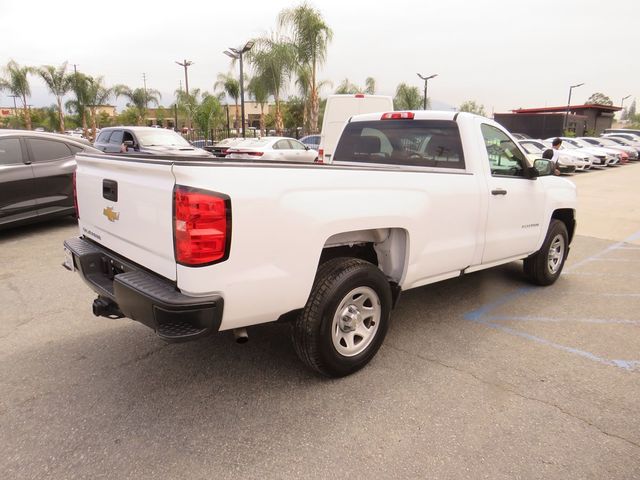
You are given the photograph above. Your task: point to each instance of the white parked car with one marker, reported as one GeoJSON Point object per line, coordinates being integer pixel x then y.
{"type": "Point", "coordinates": [606, 157]}
{"type": "Point", "coordinates": [535, 149]}
{"type": "Point", "coordinates": [608, 143]}
{"type": "Point", "coordinates": [282, 149]}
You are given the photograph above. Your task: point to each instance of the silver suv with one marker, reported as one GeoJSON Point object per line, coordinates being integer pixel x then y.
{"type": "Point", "coordinates": [147, 140]}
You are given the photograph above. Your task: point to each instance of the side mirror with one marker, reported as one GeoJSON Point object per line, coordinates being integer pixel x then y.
{"type": "Point", "coordinates": [307, 147]}
{"type": "Point", "coordinates": [542, 167]}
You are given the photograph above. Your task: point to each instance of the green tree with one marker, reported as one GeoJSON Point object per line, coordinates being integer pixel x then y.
{"type": "Point", "coordinates": [17, 83]}
{"type": "Point", "coordinates": [139, 99]}
{"type": "Point", "coordinates": [346, 87]}
{"type": "Point", "coordinates": [59, 84]}
{"type": "Point", "coordinates": [472, 107]}
{"type": "Point", "coordinates": [228, 84]}
{"type": "Point", "coordinates": [80, 104]}
{"type": "Point", "coordinates": [311, 36]}
{"type": "Point", "coordinates": [407, 98]}
{"type": "Point", "coordinates": [97, 94]}
{"type": "Point", "coordinates": [599, 99]}
{"type": "Point", "coordinates": [370, 86]}
{"type": "Point", "coordinates": [208, 114]}
{"type": "Point", "coordinates": [259, 88]}
{"type": "Point", "coordinates": [274, 59]}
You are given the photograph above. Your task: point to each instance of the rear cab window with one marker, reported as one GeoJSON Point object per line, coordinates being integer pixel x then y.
{"type": "Point", "coordinates": [416, 143]}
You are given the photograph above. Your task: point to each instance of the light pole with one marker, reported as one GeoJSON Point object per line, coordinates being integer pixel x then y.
{"type": "Point", "coordinates": [622, 104]}
{"type": "Point", "coordinates": [566, 115]}
{"type": "Point", "coordinates": [186, 64]}
{"type": "Point", "coordinates": [426, 81]}
{"type": "Point", "coordinates": [236, 54]}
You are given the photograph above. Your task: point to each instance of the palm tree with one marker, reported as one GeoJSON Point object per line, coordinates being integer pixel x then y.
{"type": "Point", "coordinates": [346, 87]}
{"type": "Point", "coordinates": [59, 83]}
{"type": "Point", "coordinates": [370, 86]}
{"type": "Point", "coordinates": [17, 83]}
{"type": "Point", "coordinates": [230, 86]}
{"type": "Point", "coordinates": [407, 98]}
{"type": "Point", "coordinates": [80, 88]}
{"type": "Point", "coordinates": [273, 58]}
{"type": "Point", "coordinates": [310, 35]}
{"type": "Point", "coordinates": [259, 88]}
{"type": "Point", "coordinates": [139, 99]}
{"type": "Point", "coordinates": [97, 94]}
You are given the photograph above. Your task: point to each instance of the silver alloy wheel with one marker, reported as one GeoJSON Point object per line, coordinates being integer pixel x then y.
{"type": "Point", "coordinates": [556, 254]}
{"type": "Point", "coordinates": [356, 321]}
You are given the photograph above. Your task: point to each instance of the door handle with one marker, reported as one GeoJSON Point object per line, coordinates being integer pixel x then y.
{"type": "Point", "coordinates": [499, 191]}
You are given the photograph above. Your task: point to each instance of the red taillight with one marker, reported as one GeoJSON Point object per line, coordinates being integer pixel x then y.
{"type": "Point", "coordinates": [320, 155]}
{"type": "Point", "coordinates": [201, 226]}
{"type": "Point", "coordinates": [398, 116]}
{"type": "Point", "coordinates": [359, 95]}
{"type": "Point", "coordinates": [75, 195]}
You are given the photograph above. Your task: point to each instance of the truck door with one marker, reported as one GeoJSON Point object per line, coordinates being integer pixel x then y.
{"type": "Point", "coordinates": [516, 204]}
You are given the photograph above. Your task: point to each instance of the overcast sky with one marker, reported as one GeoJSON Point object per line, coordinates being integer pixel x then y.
{"type": "Point", "coordinates": [503, 54]}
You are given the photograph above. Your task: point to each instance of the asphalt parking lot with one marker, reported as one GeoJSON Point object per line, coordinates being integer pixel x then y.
{"type": "Point", "coordinates": [482, 376]}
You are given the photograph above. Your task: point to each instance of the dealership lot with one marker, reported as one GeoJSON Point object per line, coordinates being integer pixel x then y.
{"type": "Point", "coordinates": [479, 377]}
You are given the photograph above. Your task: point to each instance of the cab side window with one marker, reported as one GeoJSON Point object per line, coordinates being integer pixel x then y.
{"type": "Point", "coordinates": [505, 158]}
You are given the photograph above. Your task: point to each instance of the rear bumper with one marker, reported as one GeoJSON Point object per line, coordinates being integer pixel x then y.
{"type": "Point", "coordinates": [126, 289]}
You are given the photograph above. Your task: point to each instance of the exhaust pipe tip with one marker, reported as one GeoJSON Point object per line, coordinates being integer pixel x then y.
{"type": "Point", "coordinates": [241, 335]}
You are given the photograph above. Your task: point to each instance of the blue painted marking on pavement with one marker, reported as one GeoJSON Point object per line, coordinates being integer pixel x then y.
{"type": "Point", "coordinates": [528, 318]}
{"type": "Point", "coordinates": [480, 315]}
{"type": "Point", "coordinates": [548, 343]}
{"type": "Point", "coordinates": [486, 308]}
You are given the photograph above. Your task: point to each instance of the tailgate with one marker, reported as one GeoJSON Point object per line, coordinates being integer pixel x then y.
{"type": "Point", "coordinates": [126, 205]}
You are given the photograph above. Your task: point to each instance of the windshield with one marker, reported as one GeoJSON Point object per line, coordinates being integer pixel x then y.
{"type": "Point", "coordinates": [609, 143]}
{"type": "Point", "coordinates": [531, 147]}
{"type": "Point", "coordinates": [578, 142]}
{"type": "Point", "coordinates": [161, 138]}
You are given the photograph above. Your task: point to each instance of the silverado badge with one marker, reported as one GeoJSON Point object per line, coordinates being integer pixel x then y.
{"type": "Point", "coordinates": [111, 214]}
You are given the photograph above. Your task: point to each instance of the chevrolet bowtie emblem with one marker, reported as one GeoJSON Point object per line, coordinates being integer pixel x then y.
{"type": "Point", "coordinates": [110, 214]}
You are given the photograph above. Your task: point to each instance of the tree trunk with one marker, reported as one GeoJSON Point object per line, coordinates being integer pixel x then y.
{"type": "Point", "coordinates": [314, 107]}
{"type": "Point", "coordinates": [60, 116]}
{"type": "Point", "coordinates": [279, 122]}
{"type": "Point", "coordinates": [262, 132]}
{"type": "Point", "coordinates": [84, 122]}
{"type": "Point", "coordinates": [314, 104]}
{"type": "Point", "coordinates": [27, 113]}
{"type": "Point", "coordinates": [93, 124]}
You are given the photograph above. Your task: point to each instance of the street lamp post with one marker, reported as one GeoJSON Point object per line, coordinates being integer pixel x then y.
{"type": "Point", "coordinates": [426, 81]}
{"type": "Point", "coordinates": [566, 115]}
{"type": "Point", "coordinates": [236, 54]}
{"type": "Point", "coordinates": [186, 64]}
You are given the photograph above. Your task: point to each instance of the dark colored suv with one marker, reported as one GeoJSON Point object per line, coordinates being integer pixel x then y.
{"type": "Point", "coordinates": [148, 140]}
{"type": "Point", "coordinates": [36, 175]}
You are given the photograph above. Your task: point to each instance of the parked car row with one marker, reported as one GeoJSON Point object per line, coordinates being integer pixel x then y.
{"type": "Point", "coordinates": [265, 148]}
{"type": "Point", "coordinates": [583, 153]}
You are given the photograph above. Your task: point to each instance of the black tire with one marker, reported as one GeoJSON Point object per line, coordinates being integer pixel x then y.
{"type": "Point", "coordinates": [313, 333]}
{"type": "Point", "coordinates": [540, 268]}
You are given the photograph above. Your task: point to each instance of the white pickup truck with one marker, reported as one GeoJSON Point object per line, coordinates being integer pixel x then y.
{"type": "Point", "coordinates": [192, 246]}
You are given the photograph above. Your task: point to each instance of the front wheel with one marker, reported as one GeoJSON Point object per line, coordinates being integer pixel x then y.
{"type": "Point", "coordinates": [345, 319]}
{"type": "Point", "coordinates": [544, 266]}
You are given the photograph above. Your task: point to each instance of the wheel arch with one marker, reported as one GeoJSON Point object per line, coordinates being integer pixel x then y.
{"type": "Point", "coordinates": [568, 217]}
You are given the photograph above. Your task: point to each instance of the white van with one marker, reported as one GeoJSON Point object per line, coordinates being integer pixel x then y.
{"type": "Point", "coordinates": [341, 108]}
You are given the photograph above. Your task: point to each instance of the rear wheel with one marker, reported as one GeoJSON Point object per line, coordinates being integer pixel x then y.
{"type": "Point", "coordinates": [545, 266]}
{"type": "Point", "coordinates": [345, 319]}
